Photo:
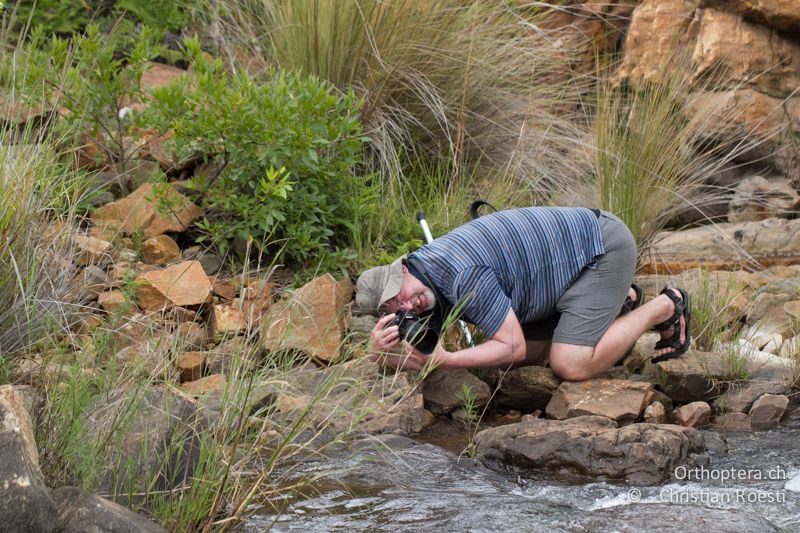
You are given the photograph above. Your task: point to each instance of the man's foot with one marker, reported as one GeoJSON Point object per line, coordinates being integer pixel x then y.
{"type": "Point", "coordinates": [675, 333]}
{"type": "Point", "coordinates": [634, 299]}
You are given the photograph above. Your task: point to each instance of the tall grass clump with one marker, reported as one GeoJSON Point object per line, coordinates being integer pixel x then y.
{"type": "Point", "coordinates": [448, 80]}
{"type": "Point", "coordinates": [652, 155]}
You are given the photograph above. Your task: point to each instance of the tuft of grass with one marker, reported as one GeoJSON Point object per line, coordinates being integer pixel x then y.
{"type": "Point", "coordinates": [651, 157]}
{"type": "Point", "coordinates": [713, 321]}
{"type": "Point", "coordinates": [455, 81]}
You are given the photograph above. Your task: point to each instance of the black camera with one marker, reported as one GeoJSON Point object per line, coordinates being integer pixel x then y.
{"type": "Point", "coordinates": [415, 331]}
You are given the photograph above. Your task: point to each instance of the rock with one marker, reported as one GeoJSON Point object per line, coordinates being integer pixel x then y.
{"type": "Point", "coordinates": [729, 245]}
{"type": "Point", "coordinates": [693, 415]}
{"type": "Point", "coordinates": [91, 250]}
{"type": "Point", "coordinates": [25, 504]}
{"type": "Point", "coordinates": [80, 512]}
{"type": "Point", "coordinates": [182, 284]}
{"type": "Point", "coordinates": [642, 351]}
{"type": "Point", "coordinates": [617, 399]}
{"type": "Point", "coordinates": [443, 390]}
{"type": "Point", "coordinates": [140, 212]}
{"type": "Point", "coordinates": [160, 250]}
{"type": "Point", "coordinates": [192, 335]}
{"type": "Point", "coordinates": [655, 413]}
{"type": "Point", "coordinates": [406, 417]}
{"type": "Point", "coordinates": [768, 410]}
{"type": "Point", "coordinates": [746, 54]}
{"type": "Point", "coordinates": [360, 328]}
{"type": "Point", "coordinates": [159, 75]}
{"type": "Point", "coordinates": [741, 399]}
{"type": "Point", "coordinates": [224, 289]}
{"type": "Point", "coordinates": [211, 262]}
{"type": "Point", "coordinates": [696, 376]}
{"type": "Point", "coordinates": [732, 422]}
{"type": "Point", "coordinates": [114, 302]}
{"type": "Point", "coordinates": [790, 347]}
{"type": "Point", "coordinates": [783, 15]}
{"type": "Point", "coordinates": [227, 320]}
{"type": "Point", "coordinates": [204, 385]}
{"type": "Point", "coordinates": [763, 303]}
{"type": "Point", "coordinates": [593, 446]}
{"type": "Point", "coordinates": [311, 320]}
{"type": "Point", "coordinates": [159, 448]}
{"type": "Point", "coordinates": [190, 365]}
{"type": "Point", "coordinates": [757, 198]}
{"type": "Point", "coordinates": [527, 388]}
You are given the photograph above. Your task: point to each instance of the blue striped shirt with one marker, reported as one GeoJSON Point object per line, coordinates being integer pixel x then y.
{"type": "Point", "coordinates": [523, 258]}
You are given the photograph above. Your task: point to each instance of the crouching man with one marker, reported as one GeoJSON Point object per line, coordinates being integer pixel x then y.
{"type": "Point", "coordinates": [539, 282]}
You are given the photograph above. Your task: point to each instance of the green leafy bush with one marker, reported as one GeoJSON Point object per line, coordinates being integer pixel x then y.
{"type": "Point", "coordinates": [286, 149]}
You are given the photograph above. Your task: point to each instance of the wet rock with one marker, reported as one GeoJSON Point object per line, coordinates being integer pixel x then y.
{"type": "Point", "coordinates": [768, 410]}
{"type": "Point", "coordinates": [25, 504]}
{"type": "Point", "coordinates": [527, 388]}
{"type": "Point", "coordinates": [669, 517]}
{"type": "Point", "coordinates": [160, 250]}
{"type": "Point", "coordinates": [593, 446]}
{"type": "Point", "coordinates": [617, 399]}
{"type": "Point", "coordinates": [140, 212]}
{"type": "Point", "coordinates": [758, 198]}
{"type": "Point", "coordinates": [311, 320]}
{"type": "Point", "coordinates": [182, 284]}
{"type": "Point", "coordinates": [696, 376]}
{"type": "Point", "coordinates": [443, 390]}
{"type": "Point", "coordinates": [693, 415]}
{"type": "Point", "coordinates": [158, 449]}
{"type": "Point", "coordinates": [226, 319]}
{"type": "Point", "coordinates": [406, 417]}
{"type": "Point", "coordinates": [655, 413]}
{"type": "Point", "coordinates": [80, 512]}
{"type": "Point", "coordinates": [740, 399]}
{"type": "Point", "coordinates": [732, 422]}
{"type": "Point", "coordinates": [214, 382]}
{"type": "Point", "coordinates": [190, 365]}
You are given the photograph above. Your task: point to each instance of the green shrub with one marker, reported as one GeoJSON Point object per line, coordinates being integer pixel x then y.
{"type": "Point", "coordinates": [287, 151]}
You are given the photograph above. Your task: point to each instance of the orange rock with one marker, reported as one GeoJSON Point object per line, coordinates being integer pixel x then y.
{"type": "Point", "coordinates": [190, 365]}
{"type": "Point", "coordinates": [312, 320]}
{"type": "Point", "coordinates": [159, 75]}
{"type": "Point", "coordinates": [224, 289]}
{"type": "Point", "coordinates": [160, 249]}
{"type": "Point", "coordinates": [114, 302]}
{"type": "Point", "coordinates": [227, 319]}
{"type": "Point", "coordinates": [140, 212]}
{"type": "Point", "coordinates": [204, 385]}
{"type": "Point", "coordinates": [192, 334]}
{"type": "Point", "coordinates": [91, 250]}
{"type": "Point", "coordinates": [183, 284]}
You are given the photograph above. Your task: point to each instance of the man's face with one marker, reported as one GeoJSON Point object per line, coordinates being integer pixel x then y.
{"type": "Point", "coordinates": [413, 296]}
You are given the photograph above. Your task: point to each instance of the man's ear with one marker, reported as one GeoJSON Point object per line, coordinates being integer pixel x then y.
{"type": "Point", "coordinates": [405, 269]}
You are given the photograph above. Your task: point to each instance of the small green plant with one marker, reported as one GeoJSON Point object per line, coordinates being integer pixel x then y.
{"type": "Point", "coordinates": [713, 320]}
{"type": "Point", "coordinates": [467, 398]}
{"type": "Point", "coordinates": [288, 150]}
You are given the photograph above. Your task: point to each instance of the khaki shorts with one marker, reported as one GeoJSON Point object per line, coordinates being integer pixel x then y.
{"type": "Point", "coordinates": [589, 306]}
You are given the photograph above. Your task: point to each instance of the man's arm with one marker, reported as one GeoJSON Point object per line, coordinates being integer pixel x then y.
{"type": "Point", "coordinates": [505, 347]}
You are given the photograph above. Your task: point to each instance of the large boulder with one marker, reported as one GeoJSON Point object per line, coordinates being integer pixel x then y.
{"type": "Point", "coordinates": [740, 399]}
{"type": "Point", "coordinates": [618, 399]}
{"type": "Point", "coordinates": [158, 446]}
{"type": "Point", "coordinates": [143, 211]}
{"type": "Point", "coordinates": [783, 15]}
{"type": "Point", "coordinates": [757, 198]}
{"type": "Point", "coordinates": [312, 320]}
{"type": "Point", "coordinates": [86, 513]}
{"type": "Point", "coordinates": [768, 410]}
{"type": "Point", "coordinates": [593, 446]}
{"type": "Point", "coordinates": [444, 390]}
{"type": "Point", "coordinates": [527, 388]}
{"type": "Point", "coordinates": [25, 504]}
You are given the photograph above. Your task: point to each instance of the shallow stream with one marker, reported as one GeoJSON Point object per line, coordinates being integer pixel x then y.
{"type": "Point", "coordinates": [421, 485]}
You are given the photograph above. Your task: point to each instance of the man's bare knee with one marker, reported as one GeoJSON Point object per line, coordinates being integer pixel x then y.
{"type": "Point", "coordinates": [572, 363]}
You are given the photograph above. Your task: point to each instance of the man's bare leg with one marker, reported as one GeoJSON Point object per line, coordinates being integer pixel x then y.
{"type": "Point", "coordinates": [536, 353]}
{"type": "Point", "coordinates": [575, 363]}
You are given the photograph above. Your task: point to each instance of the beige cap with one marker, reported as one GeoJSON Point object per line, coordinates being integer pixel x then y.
{"type": "Point", "coordinates": [379, 284]}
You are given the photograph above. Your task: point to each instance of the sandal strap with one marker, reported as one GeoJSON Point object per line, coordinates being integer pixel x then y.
{"type": "Point", "coordinates": [676, 316]}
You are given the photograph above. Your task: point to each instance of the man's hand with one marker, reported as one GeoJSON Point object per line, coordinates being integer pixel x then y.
{"type": "Point", "coordinates": [383, 340]}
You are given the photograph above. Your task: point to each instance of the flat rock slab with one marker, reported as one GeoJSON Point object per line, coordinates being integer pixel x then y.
{"type": "Point", "coordinates": [594, 447]}
{"type": "Point", "coordinates": [621, 400]}
{"type": "Point", "coordinates": [180, 285]}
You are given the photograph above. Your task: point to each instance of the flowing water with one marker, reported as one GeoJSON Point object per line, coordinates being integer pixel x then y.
{"type": "Point", "coordinates": [406, 485]}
